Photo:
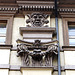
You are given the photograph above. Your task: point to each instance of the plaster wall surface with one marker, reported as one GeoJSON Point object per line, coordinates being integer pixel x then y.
{"type": "Point", "coordinates": [52, 22]}
{"type": "Point", "coordinates": [70, 72]}
{"type": "Point", "coordinates": [56, 73]}
{"type": "Point", "coordinates": [18, 22]}
{"type": "Point", "coordinates": [60, 29]}
{"type": "Point", "coordinates": [4, 71]}
{"type": "Point", "coordinates": [35, 71]}
{"type": "Point", "coordinates": [69, 57]}
{"type": "Point", "coordinates": [14, 73]}
{"type": "Point", "coordinates": [60, 32]}
{"type": "Point", "coordinates": [4, 56]}
{"type": "Point", "coordinates": [42, 40]}
{"type": "Point", "coordinates": [62, 58]}
{"type": "Point", "coordinates": [38, 35]}
{"type": "Point", "coordinates": [14, 60]}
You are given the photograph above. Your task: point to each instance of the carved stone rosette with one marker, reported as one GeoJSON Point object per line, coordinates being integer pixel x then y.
{"type": "Point", "coordinates": [36, 53]}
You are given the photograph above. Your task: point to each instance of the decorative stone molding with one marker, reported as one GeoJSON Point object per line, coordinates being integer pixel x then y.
{"type": "Point", "coordinates": [37, 19]}
{"type": "Point", "coordinates": [34, 56]}
{"type": "Point", "coordinates": [36, 5]}
{"type": "Point", "coordinates": [44, 34]}
{"type": "Point", "coordinates": [37, 29]}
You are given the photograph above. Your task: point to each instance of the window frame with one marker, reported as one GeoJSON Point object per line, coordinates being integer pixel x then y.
{"type": "Point", "coordinates": [3, 35]}
{"type": "Point", "coordinates": [9, 28]}
{"type": "Point", "coordinates": [71, 31]}
{"type": "Point", "coordinates": [65, 30]}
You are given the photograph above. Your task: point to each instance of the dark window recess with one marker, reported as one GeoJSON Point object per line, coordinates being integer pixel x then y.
{"type": "Point", "coordinates": [3, 24]}
{"type": "Point", "coordinates": [71, 30]}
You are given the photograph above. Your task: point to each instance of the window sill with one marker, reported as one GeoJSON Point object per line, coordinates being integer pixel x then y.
{"type": "Point", "coordinates": [3, 46]}
{"type": "Point", "coordinates": [68, 48]}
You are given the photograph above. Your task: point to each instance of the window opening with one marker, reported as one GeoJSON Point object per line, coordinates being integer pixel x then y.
{"type": "Point", "coordinates": [3, 24]}
{"type": "Point", "coordinates": [71, 29]}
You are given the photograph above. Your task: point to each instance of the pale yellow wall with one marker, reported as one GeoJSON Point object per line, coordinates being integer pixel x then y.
{"type": "Point", "coordinates": [26, 17]}
{"type": "Point", "coordinates": [70, 72]}
{"type": "Point", "coordinates": [60, 38]}
{"type": "Point", "coordinates": [36, 71]}
{"type": "Point", "coordinates": [42, 40]}
{"type": "Point", "coordinates": [60, 32]}
{"type": "Point", "coordinates": [14, 60]}
{"type": "Point", "coordinates": [56, 73]}
{"type": "Point", "coordinates": [60, 29]}
{"type": "Point", "coordinates": [18, 22]}
{"type": "Point", "coordinates": [69, 57]}
{"type": "Point", "coordinates": [62, 59]}
{"type": "Point", "coordinates": [14, 73]}
{"type": "Point", "coordinates": [4, 56]}
{"type": "Point", "coordinates": [52, 23]}
{"type": "Point", "coordinates": [4, 71]}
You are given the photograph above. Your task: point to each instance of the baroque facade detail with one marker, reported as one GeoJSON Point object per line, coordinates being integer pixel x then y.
{"type": "Point", "coordinates": [36, 54]}
{"type": "Point", "coordinates": [37, 19]}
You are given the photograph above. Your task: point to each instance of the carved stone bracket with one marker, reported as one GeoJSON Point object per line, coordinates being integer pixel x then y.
{"type": "Point", "coordinates": [36, 53]}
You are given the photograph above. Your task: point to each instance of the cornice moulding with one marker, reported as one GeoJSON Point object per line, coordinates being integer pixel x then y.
{"type": "Point", "coordinates": [37, 29]}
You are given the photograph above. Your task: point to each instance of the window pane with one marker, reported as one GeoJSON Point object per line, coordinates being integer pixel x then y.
{"type": "Point", "coordinates": [72, 42]}
{"type": "Point", "coordinates": [71, 29]}
{"type": "Point", "coordinates": [2, 39]}
{"type": "Point", "coordinates": [3, 28]}
{"type": "Point", "coordinates": [71, 33]}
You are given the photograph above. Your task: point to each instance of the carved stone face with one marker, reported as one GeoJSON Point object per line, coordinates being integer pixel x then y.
{"type": "Point", "coordinates": [37, 20]}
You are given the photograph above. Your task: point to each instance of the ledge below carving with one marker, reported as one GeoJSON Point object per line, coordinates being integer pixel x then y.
{"type": "Point", "coordinates": [37, 29]}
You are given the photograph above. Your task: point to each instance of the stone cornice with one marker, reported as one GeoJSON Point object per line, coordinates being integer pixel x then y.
{"type": "Point", "coordinates": [19, 67]}
{"type": "Point", "coordinates": [37, 6]}
{"type": "Point", "coordinates": [42, 29]}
